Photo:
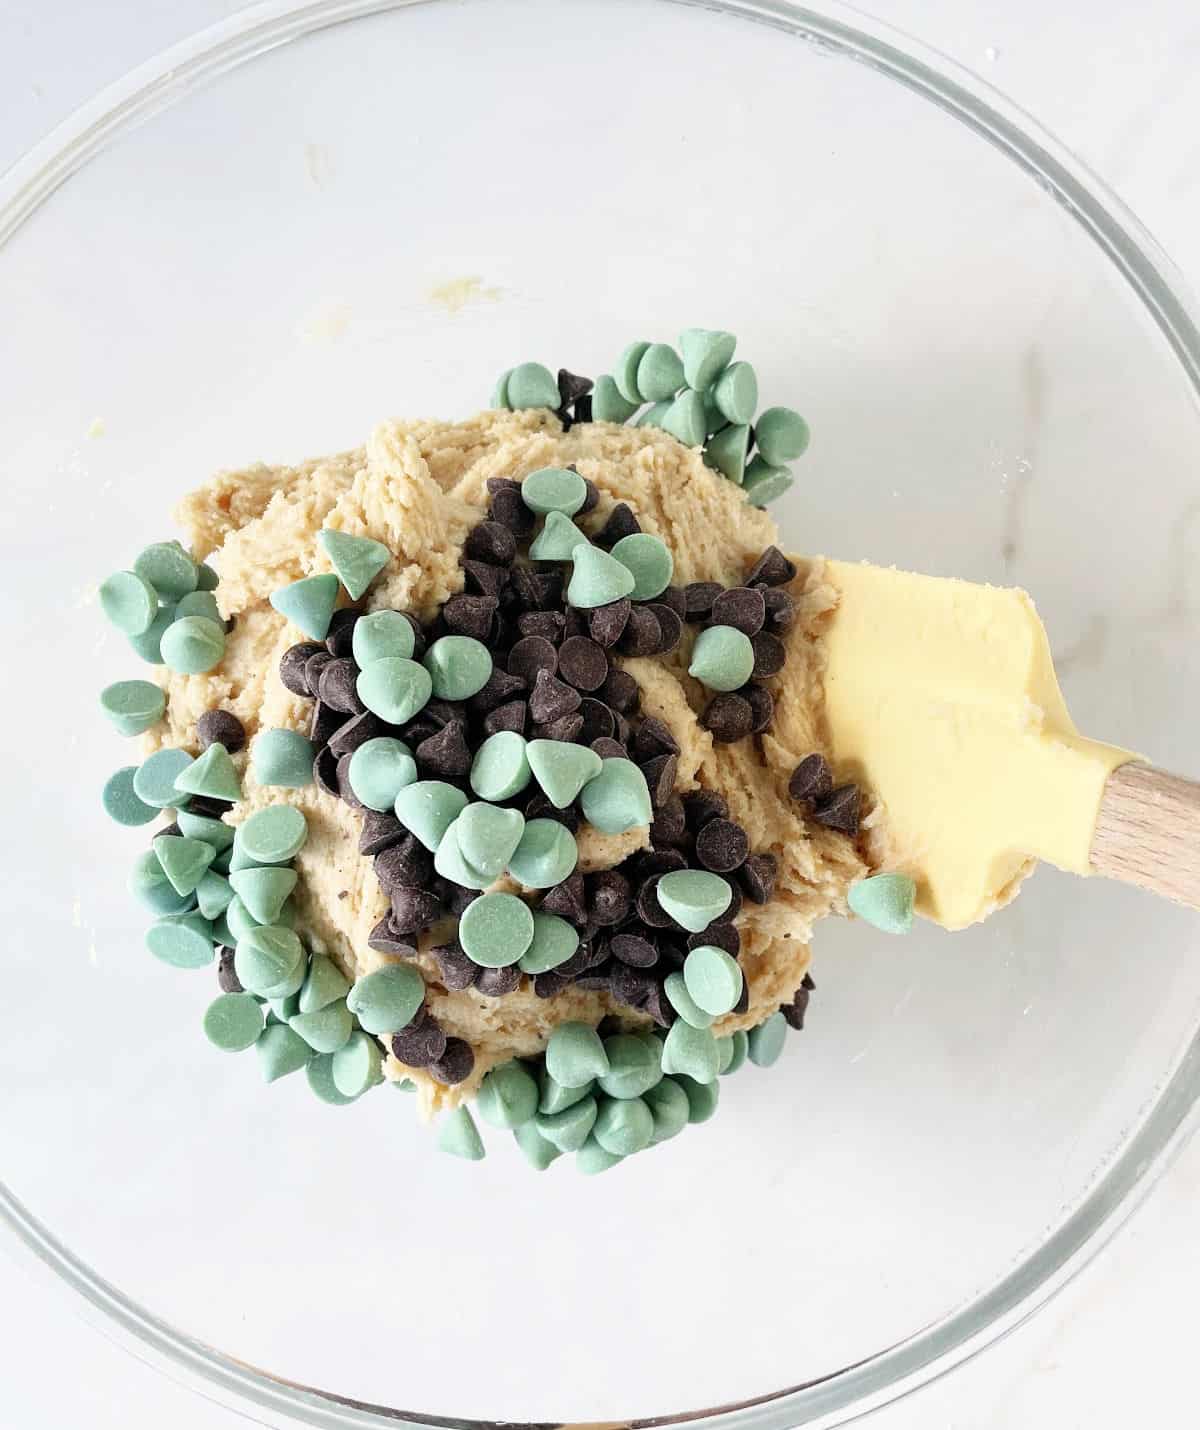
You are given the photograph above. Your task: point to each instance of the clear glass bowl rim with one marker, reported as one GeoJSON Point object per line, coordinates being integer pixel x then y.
{"type": "Point", "coordinates": [854, 1391]}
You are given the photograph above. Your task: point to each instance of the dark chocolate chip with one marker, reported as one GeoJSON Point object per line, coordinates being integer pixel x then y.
{"type": "Point", "coordinates": [722, 846]}
{"type": "Point", "coordinates": [606, 623]}
{"type": "Point", "coordinates": [669, 825]}
{"type": "Point", "coordinates": [325, 772]}
{"type": "Point", "coordinates": [812, 779]}
{"type": "Point", "coordinates": [348, 737]}
{"type": "Point", "coordinates": [566, 728]}
{"type": "Point", "coordinates": [336, 687]}
{"type": "Point", "coordinates": [339, 640]}
{"type": "Point", "coordinates": [385, 938]}
{"type": "Point", "coordinates": [168, 831]}
{"type": "Point", "coordinates": [807, 982]}
{"type": "Point", "coordinates": [444, 712]}
{"type": "Point", "coordinates": [701, 805]}
{"type": "Point", "coordinates": [698, 598]}
{"type": "Point", "coordinates": [227, 979]}
{"type": "Point", "coordinates": [660, 777]}
{"type": "Point", "coordinates": [674, 599]}
{"type": "Point", "coordinates": [586, 957]}
{"type": "Point", "coordinates": [344, 788]}
{"type": "Point", "coordinates": [418, 731]}
{"type": "Point", "coordinates": [620, 692]}
{"type": "Point", "coordinates": [591, 492]}
{"type": "Point", "coordinates": [550, 985]}
{"type": "Point", "coordinates": [422, 1043]}
{"type": "Point", "coordinates": [620, 523]}
{"type": "Point", "coordinates": [735, 903]}
{"type": "Point", "coordinates": [436, 628]}
{"type": "Point", "coordinates": [653, 737]}
{"type": "Point", "coordinates": [567, 899]}
{"type": "Point", "coordinates": [498, 690]}
{"type": "Point", "coordinates": [608, 748]}
{"type": "Point", "coordinates": [631, 986]}
{"type": "Point", "coordinates": [781, 609]}
{"type": "Point", "coordinates": [740, 607]}
{"type": "Point", "coordinates": [509, 511]}
{"type": "Point", "coordinates": [670, 627]}
{"type": "Point", "coordinates": [496, 982]}
{"type": "Point", "coordinates": [537, 590]}
{"type": "Point", "coordinates": [672, 954]}
{"type": "Point", "coordinates": [583, 413]}
{"type": "Point", "coordinates": [407, 865]}
{"type": "Point", "coordinates": [542, 623]}
{"type": "Point", "coordinates": [313, 667]}
{"type": "Point", "coordinates": [575, 623]}
{"type": "Point", "coordinates": [324, 723]}
{"type": "Point", "coordinates": [761, 703]}
{"type": "Point", "coordinates": [506, 717]}
{"type": "Point", "coordinates": [598, 980]}
{"type": "Point", "coordinates": [208, 806]}
{"type": "Point", "coordinates": [379, 832]}
{"type": "Point", "coordinates": [743, 1003]}
{"type": "Point", "coordinates": [446, 755]}
{"type": "Point", "coordinates": [292, 664]}
{"type": "Point", "coordinates": [502, 484]}
{"type": "Point", "coordinates": [484, 579]}
{"type": "Point", "coordinates": [468, 615]}
{"type": "Point", "coordinates": [582, 663]}
{"type": "Point", "coordinates": [551, 698]}
{"type": "Point", "coordinates": [758, 875]}
{"type": "Point", "coordinates": [728, 717]}
{"type": "Point", "coordinates": [769, 655]}
{"type": "Point", "coordinates": [220, 727]}
{"type": "Point", "coordinates": [455, 1064]}
{"type": "Point", "coordinates": [794, 1011]}
{"type": "Point", "coordinates": [414, 909]}
{"type": "Point", "coordinates": [531, 654]}
{"type": "Point", "coordinates": [840, 810]}
{"type": "Point", "coordinates": [634, 950]}
{"type": "Point", "coordinates": [659, 861]}
{"type": "Point", "coordinates": [420, 640]}
{"type": "Point", "coordinates": [571, 387]}
{"type": "Point", "coordinates": [609, 897]}
{"type": "Point", "coordinates": [456, 897]}
{"type": "Point", "coordinates": [457, 970]}
{"type": "Point", "coordinates": [623, 731]}
{"type": "Point", "coordinates": [658, 1005]}
{"type": "Point", "coordinates": [649, 910]}
{"type": "Point", "coordinates": [642, 633]}
{"type": "Point", "coordinates": [772, 568]}
{"type": "Point", "coordinates": [491, 542]}
{"type": "Point", "coordinates": [539, 807]}
{"type": "Point", "coordinates": [599, 722]}
{"type": "Point", "coordinates": [720, 935]}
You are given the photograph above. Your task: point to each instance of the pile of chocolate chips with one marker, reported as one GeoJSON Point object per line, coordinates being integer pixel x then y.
{"type": "Point", "coordinates": [553, 679]}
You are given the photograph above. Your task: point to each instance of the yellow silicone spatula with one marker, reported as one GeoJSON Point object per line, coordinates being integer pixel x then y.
{"type": "Point", "coordinates": [942, 700]}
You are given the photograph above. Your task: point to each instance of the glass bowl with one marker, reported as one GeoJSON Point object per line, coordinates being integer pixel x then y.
{"type": "Point", "coordinates": [317, 215]}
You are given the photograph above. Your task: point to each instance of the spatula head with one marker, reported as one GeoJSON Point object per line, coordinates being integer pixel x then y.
{"type": "Point", "coordinates": [942, 702]}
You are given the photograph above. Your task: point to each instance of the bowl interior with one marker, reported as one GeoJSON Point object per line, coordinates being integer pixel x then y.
{"type": "Point", "coordinates": [375, 220]}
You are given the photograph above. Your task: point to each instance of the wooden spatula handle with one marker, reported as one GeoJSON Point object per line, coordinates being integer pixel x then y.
{"type": "Point", "coordinates": [1148, 832]}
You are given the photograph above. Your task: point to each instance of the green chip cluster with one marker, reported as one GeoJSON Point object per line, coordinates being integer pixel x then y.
{"type": "Point", "coordinates": [698, 393]}
{"type": "Point", "coordinates": [166, 608]}
{"type": "Point", "coordinates": [606, 1098]}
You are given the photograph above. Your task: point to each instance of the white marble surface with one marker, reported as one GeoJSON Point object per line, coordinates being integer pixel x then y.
{"type": "Point", "coordinates": [1121, 91]}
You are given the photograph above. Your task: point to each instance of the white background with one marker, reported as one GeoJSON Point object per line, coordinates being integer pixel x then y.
{"type": "Point", "coordinates": [1118, 84]}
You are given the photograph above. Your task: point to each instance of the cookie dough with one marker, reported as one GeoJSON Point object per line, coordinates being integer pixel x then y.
{"type": "Point", "coordinates": [418, 488]}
